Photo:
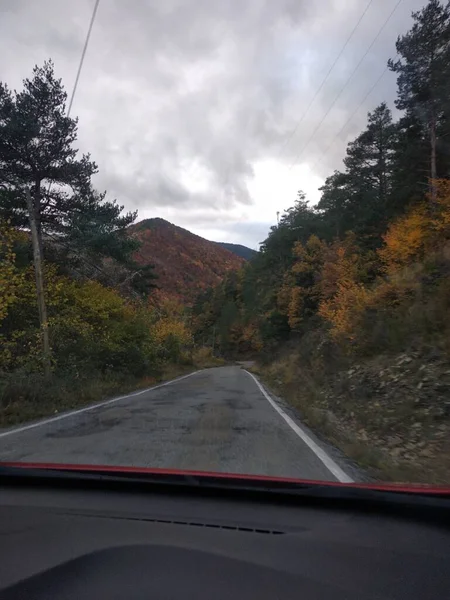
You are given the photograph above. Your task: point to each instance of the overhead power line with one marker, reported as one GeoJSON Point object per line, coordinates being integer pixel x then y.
{"type": "Point", "coordinates": [74, 90]}
{"type": "Point", "coordinates": [80, 65]}
{"type": "Point", "coordinates": [325, 79]}
{"type": "Point", "coordinates": [83, 54]}
{"type": "Point", "coordinates": [325, 152]}
{"type": "Point", "coordinates": [345, 85]}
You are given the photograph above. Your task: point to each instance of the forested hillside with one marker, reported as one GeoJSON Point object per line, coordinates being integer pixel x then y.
{"type": "Point", "coordinates": [353, 294]}
{"type": "Point", "coordinates": [184, 263]}
{"type": "Point", "coordinates": [239, 250]}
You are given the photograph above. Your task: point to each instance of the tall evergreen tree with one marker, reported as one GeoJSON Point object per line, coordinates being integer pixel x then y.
{"type": "Point", "coordinates": [424, 71]}
{"type": "Point", "coordinates": [37, 153]}
{"type": "Point", "coordinates": [334, 202]}
{"type": "Point", "coordinates": [368, 168]}
{"type": "Point", "coordinates": [410, 165]}
{"type": "Point", "coordinates": [46, 186]}
{"type": "Point", "coordinates": [358, 198]}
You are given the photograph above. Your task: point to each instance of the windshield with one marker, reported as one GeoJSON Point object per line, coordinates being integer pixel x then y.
{"type": "Point", "coordinates": [225, 237]}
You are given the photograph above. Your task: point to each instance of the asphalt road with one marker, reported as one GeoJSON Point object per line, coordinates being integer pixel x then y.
{"type": "Point", "coordinates": [214, 420]}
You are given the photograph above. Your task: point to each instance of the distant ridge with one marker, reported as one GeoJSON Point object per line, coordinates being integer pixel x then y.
{"type": "Point", "coordinates": [185, 263]}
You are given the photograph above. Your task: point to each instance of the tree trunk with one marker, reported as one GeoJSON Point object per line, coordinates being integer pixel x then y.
{"type": "Point", "coordinates": [433, 169]}
{"type": "Point", "coordinates": [37, 217]}
{"type": "Point", "coordinates": [37, 258]}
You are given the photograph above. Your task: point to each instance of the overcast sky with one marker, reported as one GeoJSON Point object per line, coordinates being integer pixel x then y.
{"type": "Point", "coordinates": [188, 106]}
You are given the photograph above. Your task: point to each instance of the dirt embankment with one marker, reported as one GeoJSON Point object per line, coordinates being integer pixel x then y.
{"type": "Point", "coordinates": [390, 413]}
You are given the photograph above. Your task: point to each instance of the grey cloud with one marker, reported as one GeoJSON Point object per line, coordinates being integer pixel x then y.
{"type": "Point", "coordinates": [214, 84]}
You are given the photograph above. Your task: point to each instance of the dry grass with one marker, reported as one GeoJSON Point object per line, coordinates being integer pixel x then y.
{"type": "Point", "coordinates": [30, 397]}
{"type": "Point", "coordinates": [27, 397]}
{"type": "Point", "coordinates": [359, 437]}
{"type": "Point", "coordinates": [203, 358]}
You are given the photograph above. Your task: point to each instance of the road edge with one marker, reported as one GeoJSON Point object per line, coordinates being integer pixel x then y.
{"type": "Point", "coordinates": [328, 462]}
{"type": "Point", "coordinates": [78, 411]}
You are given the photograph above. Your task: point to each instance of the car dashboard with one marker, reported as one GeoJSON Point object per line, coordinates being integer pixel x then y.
{"type": "Point", "coordinates": [81, 542]}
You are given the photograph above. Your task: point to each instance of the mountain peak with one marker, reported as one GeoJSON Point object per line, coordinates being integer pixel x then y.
{"type": "Point", "coordinates": [152, 224]}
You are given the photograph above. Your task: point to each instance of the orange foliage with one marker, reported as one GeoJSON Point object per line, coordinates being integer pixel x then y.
{"type": "Point", "coordinates": [406, 238]}
{"type": "Point", "coordinates": [423, 228]}
{"type": "Point", "coordinates": [441, 220]}
{"type": "Point", "coordinates": [343, 296]}
{"type": "Point", "coordinates": [340, 266]}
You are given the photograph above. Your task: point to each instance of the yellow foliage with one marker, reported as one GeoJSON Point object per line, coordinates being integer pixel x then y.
{"type": "Point", "coordinates": [251, 336]}
{"type": "Point", "coordinates": [10, 277]}
{"type": "Point", "coordinates": [169, 327]}
{"type": "Point", "coordinates": [441, 216]}
{"type": "Point", "coordinates": [345, 308]}
{"type": "Point", "coordinates": [295, 308]}
{"type": "Point", "coordinates": [169, 308]}
{"type": "Point", "coordinates": [203, 357]}
{"type": "Point", "coordinates": [300, 290]}
{"type": "Point", "coordinates": [284, 295]}
{"type": "Point", "coordinates": [309, 256]}
{"type": "Point", "coordinates": [89, 324]}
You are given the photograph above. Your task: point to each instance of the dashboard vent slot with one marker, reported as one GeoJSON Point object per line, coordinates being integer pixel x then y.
{"type": "Point", "coordinates": [218, 526]}
{"type": "Point", "coordinates": [244, 529]}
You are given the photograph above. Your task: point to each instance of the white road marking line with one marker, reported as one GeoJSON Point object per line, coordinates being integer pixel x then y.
{"type": "Point", "coordinates": [92, 406]}
{"type": "Point", "coordinates": [330, 464]}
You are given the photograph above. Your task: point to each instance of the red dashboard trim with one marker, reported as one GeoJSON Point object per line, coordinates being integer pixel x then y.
{"type": "Point", "coordinates": [395, 487]}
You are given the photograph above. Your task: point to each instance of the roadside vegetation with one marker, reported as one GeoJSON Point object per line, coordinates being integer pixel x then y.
{"type": "Point", "coordinates": [79, 318]}
{"type": "Point", "coordinates": [346, 307]}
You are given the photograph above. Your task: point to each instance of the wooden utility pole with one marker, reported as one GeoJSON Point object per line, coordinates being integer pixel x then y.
{"type": "Point", "coordinates": [38, 272]}
{"type": "Point", "coordinates": [433, 168]}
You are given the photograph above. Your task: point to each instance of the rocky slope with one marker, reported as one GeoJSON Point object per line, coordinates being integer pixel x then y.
{"type": "Point", "coordinates": [390, 413]}
{"type": "Point", "coordinates": [401, 407]}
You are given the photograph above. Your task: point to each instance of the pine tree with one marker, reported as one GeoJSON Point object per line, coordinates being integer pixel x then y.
{"type": "Point", "coordinates": [410, 165]}
{"type": "Point", "coordinates": [37, 153]}
{"type": "Point", "coordinates": [46, 186]}
{"type": "Point", "coordinates": [424, 72]}
{"type": "Point", "coordinates": [358, 199]}
{"type": "Point", "coordinates": [334, 202]}
{"type": "Point", "coordinates": [368, 169]}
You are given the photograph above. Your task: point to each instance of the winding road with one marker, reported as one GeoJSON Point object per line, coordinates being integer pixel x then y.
{"type": "Point", "coordinates": [219, 419]}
